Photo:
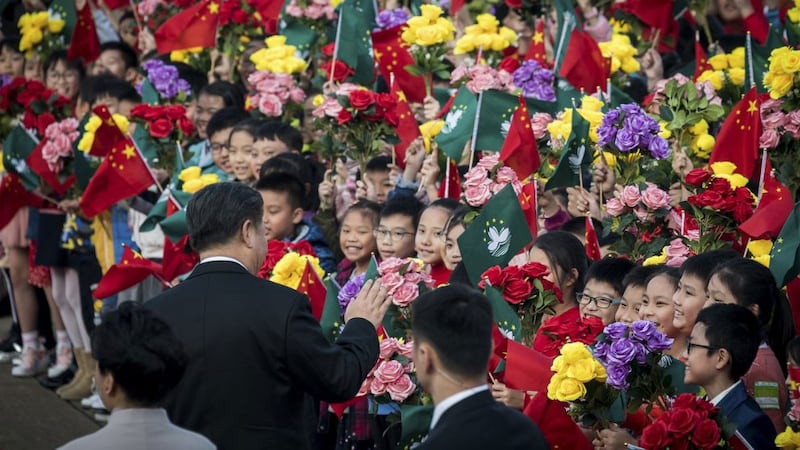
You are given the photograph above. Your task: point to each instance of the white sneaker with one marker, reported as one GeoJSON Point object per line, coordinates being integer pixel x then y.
{"type": "Point", "coordinates": [6, 357]}
{"type": "Point", "coordinates": [63, 361]}
{"type": "Point", "coordinates": [33, 362]}
{"type": "Point", "coordinates": [89, 401]}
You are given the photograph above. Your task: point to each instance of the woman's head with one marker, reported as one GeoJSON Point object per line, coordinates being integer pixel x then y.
{"type": "Point", "coordinates": [657, 305]}
{"type": "Point", "coordinates": [452, 231]}
{"type": "Point", "coordinates": [565, 256]}
{"type": "Point", "coordinates": [63, 75]}
{"type": "Point", "coordinates": [139, 358]}
{"type": "Point", "coordinates": [429, 241]}
{"type": "Point", "coordinates": [357, 232]}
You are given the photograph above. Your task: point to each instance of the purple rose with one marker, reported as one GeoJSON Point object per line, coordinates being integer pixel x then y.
{"type": "Point", "coordinates": [350, 290]}
{"type": "Point", "coordinates": [659, 342]}
{"type": "Point", "coordinates": [643, 330]}
{"type": "Point", "coordinates": [606, 134]}
{"type": "Point", "coordinates": [616, 330]}
{"type": "Point", "coordinates": [535, 81]}
{"type": "Point", "coordinates": [658, 147]}
{"type": "Point", "coordinates": [640, 352]}
{"type": "Point", "coordinates": [601, 350]}
{"type": "Point", "coordinates": [622, 351]}
{"type": "Point", "coordinates": [626, 140]}
{"type": "Point", "coordinates": [639, 123]}
{"type": "Point", "coordinates": [631, 109]}
{"type": "Point", "coordinates": [617, 376]}
{"type": "Point", "coordinates": [391, 18]}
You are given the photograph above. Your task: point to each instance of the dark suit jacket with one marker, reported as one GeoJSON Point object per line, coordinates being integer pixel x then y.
{"type": "Point", "coordinates": [480, 423]}
{"type": "Point", "coordinates": [739, 408]}
{"type": "Point", "coordinates": [255, 352]}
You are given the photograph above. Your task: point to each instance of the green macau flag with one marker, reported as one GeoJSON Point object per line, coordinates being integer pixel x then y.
{"type": "Point", "coordinates": [785, 257]}
{"type": "Point", "coordinates": [505, 317]}
{"type": "Point", "coordinates": [576, 155]}
{"type": "Point", "coordinates": [494, 119]}
{"type": "Point", "coordinates": [458, 124]}
{"type": "Point", "coordinates": [17, 147]}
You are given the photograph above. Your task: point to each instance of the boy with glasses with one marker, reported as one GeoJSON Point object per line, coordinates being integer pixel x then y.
{"type": "Point", "coordinates": [397, 227]}
{"type": "Point", "coordinates": [603, 289]}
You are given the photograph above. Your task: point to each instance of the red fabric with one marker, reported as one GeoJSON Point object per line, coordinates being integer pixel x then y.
{"type": "Point", "coordinates": [527, 201]}
{"type": "Point", "coordinates": [392, 57]}
{"type": "Point", "coordinates": [178, 258]}
{"type": "Point", "coordinates": [407, 128]}
{"type": "Point", "coordinates": [772, 211]}
{"type": "Point", "coordinates": [269, 11]}
{"type": "Point", "coordinates": [13, 197]}
{"type": "Point", "coordinates": [557, 426]}
{"type": "Point", "coordinates": [85, 44]}
{"type": "Point", "coordinates": [132, 269]}
{"type": "Point", "coordinates": [793, 294]}
{"type": "Point", "coordinates": [757, 23]}
{"type": "Point", "coordinates": [116, 4]}
{"type": "Point", "coordinates": [195, 26]}
{"type": "Point", "coordinates": [527, 369]}
{"type": "Point", "coordinates": [584, 66]}
{"type": "Point", "coordinates": [440, 274]}
{"type": "Point", "coordinates": [700, 60]}
{"type": "Point", "coordinates": [519, 149]}
{"type": "Point", "coordinates": [456, 5]}
{"type": "Point", "coordinates": [451, 188]}
{"type": "Point", "coordinates": [536, 48]}
{"type": "Point", "coordinates": [737, 140]}
{"type": "Point", "coordinates": [312, 286]}
{"type": "Point", "coordinates": [39, 166]}
{"type": "Point", "coordinates": [122, 174]}
{"type": "Point", "coordinates": [592, 245]}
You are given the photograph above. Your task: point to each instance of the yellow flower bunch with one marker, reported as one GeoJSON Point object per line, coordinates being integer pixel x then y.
{"type": "Point", "coordinates": [561, 128]}
{"type": "Point", "coordinates": [784, 63]}
{"type": "Point", "coordinates": [656, 260]}
{"type": "Point", "coordinates": [621, 52]}
{"type": "Point", "coordinates": [94, 122]}
{"type": "Point", "coordinates": [726, 68]}
{"type": "Point", "coordinates": [429, 130]}
{"type": "Point", "coordinates": [619, 26]}
{"type": "Point", "coordinates": [429, 28]}
{"type": "Point", "coordinates": [726, 170]}
{"type": "Point", "coordinates": [184, 56]}
{"type": "Point", "coordinates": [289, 270]}
{"type": "Point", "coordinates": [610, 158]}
{"type": "Point", "coordinates": [760, 251]}
{"type": "Point", "coordinates": [702, 142]}
{"type": "Point", "coordinates": [278, 57]}
{"type": "Point", "coordinates": [573, 368]}
{"type": "Point", "coordinates": [486, 34]}
{"type": "Point", "coordinates": [193, 180]}
{"type": "Point", "coordinates": [34, 26]}
{"type": "Point", "coordinates": [789, 439]}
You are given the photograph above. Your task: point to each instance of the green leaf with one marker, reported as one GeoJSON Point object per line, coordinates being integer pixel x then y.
{"type": "Point", "coordinates": [443, 74]}
{"type": "Point", "coordinates": [413, 70]}
{"type": "Point", "coordinates": [666, 113]}
{"type": "Point", "coordinates": [669, 89]}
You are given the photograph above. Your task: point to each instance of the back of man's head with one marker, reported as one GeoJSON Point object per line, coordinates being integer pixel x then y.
{"type": "Point", "coordinates": [456, 321]}
{"type": "Point", "coordinates": [215, 214]}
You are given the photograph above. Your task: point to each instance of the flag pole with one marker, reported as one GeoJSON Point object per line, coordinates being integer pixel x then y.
{"type": "Point", "coordinates": [567, 21]}
{"type": "Point", "coordinates": [762, 175]}
{"type": "Point", "coordinates": [336, 45]}
{"type": "Point", "coordinates": [475, 130]}
{"type": "Point", "coordinates": [749, 51]}
{"type": "Point", "coordinates": [447, 178]}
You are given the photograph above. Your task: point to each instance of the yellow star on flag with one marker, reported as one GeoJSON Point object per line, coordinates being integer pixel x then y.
{"type": "Point", "coordinates": [538, 37]}
{"type": "Point", "coordinates": [213, 7]}
{"type": "Point", "coordinates": [752, 107]}
{"type": "Point", "coordinates": [129, 151]}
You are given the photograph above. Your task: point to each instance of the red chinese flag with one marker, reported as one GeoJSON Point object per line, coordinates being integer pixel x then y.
{"type": "Point", "coordinates": [178, 258]}
{"type": "Point", "coordinates": [519, 150]}
{"type": "Point", "coordinates": [312, 286]}
{"type": "Point", "coordinates": [39, 166]}
{"type": "Point", "coordinates": [584, 66]}
{"type": "Point", "coordinates": [527, 369]}
{"type": "Point", "coordinates": [122, 174]}
{"type": "Point", "coordinates": [269, 10]}
{"type": "Point", "coordinates": [13, 197]}
{"type": "Point", "coordinates": [773, 209]}
{"type": "Point", "coordinates": [116, 4]}
{"type": "Point", "coordinates": [392, 57]}
{"type": "Point", "coordinates": [132, 269]}
{"type": "Point", "coordinates": [84, 43]}
{"type": "Point", "coordinates": [592, 245]}
{"type": "Point", "coordinates": [195, 26]}
{"type": "Point", "coordinates": [700, 59]}
{"type": "Point", "coordinates": [407, 127]}
{"type": "Point", "coordinates": [737, 140]}
{"type": "Point", "coordinates": [456, 5]}
{"type": "Point", "coordinates": [527, 201]}
{"type": "Point", "coordinates": [558, 428]}
{"type": "Point", "coordinates": [450, 186]}
{"type": "Point", "coordinates": [536, 48]}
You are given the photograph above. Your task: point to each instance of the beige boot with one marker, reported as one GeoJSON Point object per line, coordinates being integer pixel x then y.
{"type": "Point", "coordinates": [83, 387]}
{"type": "Point", "coordinates": [78, 374]}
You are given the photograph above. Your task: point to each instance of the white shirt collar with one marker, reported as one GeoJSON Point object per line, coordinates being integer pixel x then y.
{"type": "Point", "coordinates": [715, 401]}
{"type": "Point", "coordinates": [449, 402]}
{"type": "Point", "coordinates": [223, 258]}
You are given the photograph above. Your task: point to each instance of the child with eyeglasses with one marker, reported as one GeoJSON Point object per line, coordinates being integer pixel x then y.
{"type": "Point", "coordinates": [397, 227]}
{"type": "Point", "coordinates": [601, 293]}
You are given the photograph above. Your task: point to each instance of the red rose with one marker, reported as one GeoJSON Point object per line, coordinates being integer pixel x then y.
{"type": "Point", "coordinates": [174, 112]}
{"type": "Point", "coordinates": [239, 17]}
{"type": "Point", "coordinates": [706, 434]}
{"type": "Point", "coordinates": [509, 64]}
{"type": "Point", "coordinates": [344, 117]}
{"type": "Point", "coordinates": [43, 121]}
{"type": "Point", "coordinates": [535, 270]}
{"type": "Point", "coordinates": [328, 49]}
{"type": "Point", "coordinates": [140, 111]}
{"type": "Point", "coordinates": [707, 198]}
{"type": "Point", "coordinates": [341, 71]}
{"type": "Point", "coordinates": [29, 120]}
{"type": "Point", "coordinates": [655, 436]}
{"type": "Point", "coordinates": [391, 118]}
{"type": "Point", "coordinates": [696, 177]}
{"type": "Point", "coordinates": [742, 211]}
{"type": "Point", "coordinates": [61, 102]}
{"type": "Point", "coordinates": [186, 126]}
{"type": "Point", "coordinates": [688, 401]}
{"type": "Point", "coordinates": [17, 82]}
{"type": "Point", "coordinates": [517, 291]}
{"type": "Point", "coordinates": [387, 102]}
{"type": "Point", "coordinates": [742, 194]}
{"type": "Point", "coordinates": [681, 422]}
{"type": "Point", "coordinates": [720, 185]}
{"type": "Point", "coordinates": [160, 128]}
{"type": "Point", "coordinates": [494, 275]}
{"type": "Point", "coordinates": [361, 99]}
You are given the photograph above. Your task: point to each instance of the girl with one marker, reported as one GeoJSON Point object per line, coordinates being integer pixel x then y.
{"type": "Point", "coordinates": [357, 239]}
{"type": "Point", "coordinates": [12, 62]}
{"type": "Point", "coordinates": [631, 302]}
{"type": "Point", "coordinates": [657, 306]}
{"type": "Point", "coordinates": [452, 231]}
{"type": "Point", "coordinates": [749, 284]}
{"type": "Point", "coordinates": [240, 150]}
{"type": "Point", "coordinates": [429, 242]}
{"type": "Point", "coordinates": [63, 75]}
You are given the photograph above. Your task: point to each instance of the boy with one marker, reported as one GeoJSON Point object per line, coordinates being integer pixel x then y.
{"type": "Point", "coordinates": [603, 289]}
{"type": "Point", "coordinates": [219, 132]}
{"type": "Point", "coordinates": [377, 182]}
{"type": "Point", "coordinates": [634, 285]}
{"type": "Point", "coordinates": [117, 59]}
{"type": "Point", "coordinates": [721, 348]}
{"type": "Point", "coordinates": [272, 139]}
{"type": "Point", "coordinates": [397, 227]}
{"type": "Point", "coordinates": [210, 99]}
{"type": "Point", "coordinates": [117, 95]}
{"type": "Point", "coordinates": [283, 215]}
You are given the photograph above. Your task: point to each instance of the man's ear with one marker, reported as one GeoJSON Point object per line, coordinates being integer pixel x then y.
{"type": "Point", "coordinates": [297, 216]}
{"type": "Point", "coordinates": [248, 233]}
{"type": "Point", "coordinates": [722, 359]}
{"type": "Point", "coordinates": [426, 360]}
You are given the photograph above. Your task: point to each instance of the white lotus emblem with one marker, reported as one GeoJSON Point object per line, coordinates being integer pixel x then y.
{"type": "Point", "coordinates": [576, 160]}
{"type": "Point", "coordinates": [499, 241]}
{"type": "Point", "coordinates": [19, 165]}
{"type": "Point", "coordinates": [505, 127]}
{"type": "Point", "coordinates": [451, 120]}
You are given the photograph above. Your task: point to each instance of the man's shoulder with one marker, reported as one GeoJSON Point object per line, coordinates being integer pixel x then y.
{"type": "Point", "coordinates": [185, 439]}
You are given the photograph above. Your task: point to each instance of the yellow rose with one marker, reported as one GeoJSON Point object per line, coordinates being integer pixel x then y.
{"type": "Point", "coordinates": [558, 365]}
{"type": "Point", "coordinates": [775, 59]}
{"type": "Point", "coordinates": [488, 22]}
{"type": "Point", "coordinates": [794, 14]}
{"type": "Point", "coordinates": [275, 41]}
{"type": "Point", "coordinates": [705, 142]}
{"type": "Point", "coordinates": [791, 62]}
{"type": "Point", "coordinates": [582, 370]}
{"type": "Point", "coordinates": [591, 103]}
{"type": "Point", "coordinates": [737, 76]}
{"type": "Point", "coordinates": [615, 64]}
{"type": "Point", "coordinates": [209, 178]}
{"type": "Point", "coordinates": [569, 390]}
{"type": "Point", "coordinates": [25, 21]}
{"type": "Point", "coordinates": [40, 19]}
{"type": "Point", "coordinates": [552, 386]}
{"type": "Point", "coordinates": [465, 45]}
{"type": "Point", "coordinates": [288, 270]}
{"type": "Point", "coordinates": [630, 65]}
{"type": "Point", "coordinates": [575, 351]}
{"type": "Point", "coordinates": [429, 35]}
{"type": "Point", "coordinates": [664, 133]}
{"type": "Point", "coordinates": [699, 128]}
{"type": "Point", "coordinates": [55, 26]}
{"type": "Point", "coordinates": [336, 3]}
{"type": "Point", "coordinates": [599, 371]}
{"type": "Point", "coordinates": [417, 22]}
{"type": "Point", "coordinates": [430, 12]}
{"type": "Point", "coordinates": [610, 158]}
{"type": "Point", "coordinates": [779, 85]}
{"type": "Point", "coordinates": [786, 439]}
{"type": "Point", "coordinates": [719, 62]}
{"type": "Point", "coordinates": [318, 100]}
{"type": "Point", "coordinates": [723, 168]}
{"type": "Point", "coordinates": [189, 173]}
{"type": "Point", "coordinates": [86, 142]}
{"type": "Point", "coordinates": [656, 259]}
{"type": "Point", "coordinates": [760, 247]}
{"type": "Point", "coordinates": [736, 58]}
{"type": "Point", "coordinates": [179, 56]}
{"type": "Point", "coordinates": [713, 76]}
{"type": "Point", "coordinates": [192, 186]}
{"type": "Point", "coordinates": [508, 35]}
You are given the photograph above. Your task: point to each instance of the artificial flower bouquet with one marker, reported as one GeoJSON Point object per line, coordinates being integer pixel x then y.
{"type": "Point", "coordinates": [41, 33]}
{"type": "Point", "coordinates": [192, 179]}
{"type": "Point", "coordinates": [404, 280]}
{"type": "Point", "coordinates": [638, 213]}
{"type": "Point", "coordinates": [780, 136]}
{"type": "Point", "coordinates": [486, 40]}
{"type": "Point", "coordinates": [288, 271]}
{"type": "Point", "coordinates": [275, 94]}
{"type": "Point", "coordinates": [527, 290]}
{"type": "Point", "coordinates": [481, 77]}
{"type": "Point", "coordinates": [427, 36]}
{"type": "Point", "coordinates": [783, 77]}
{"type": "Point", "coordinates": [622, 55]}
{"type": "Point", "coordinates": [276, 250]}
{"type": "Point", "coordinates": [392, 379]}
{"type": "Point", "coordinates": [557, 332]}
{"type": "Point", "coordinates": [161, 130]}
{"type": "Point", "coordinates": [240, 21]}
{"type": "Point", "coordinates": [33, 103]}
{"type": "Point", "coordinates": [278, 57]}
{"type": "Point", "coordinates": [535, 81]}
{"type": "Point", "coordinates": [727, 75]}
{"type": "Point", "coordinates": [688, 423]}
{"type": "Point", "coordinates": [488, 177]}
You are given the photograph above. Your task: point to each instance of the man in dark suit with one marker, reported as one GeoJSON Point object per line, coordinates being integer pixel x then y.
{"type": "Point", "coordinates": [722, 347]}
{"type": "Point", "coordinates": [255, 351]}
{"type": "Point", "coordinates": [452, 329]}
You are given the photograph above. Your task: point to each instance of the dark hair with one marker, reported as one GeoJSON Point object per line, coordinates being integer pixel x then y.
{"type": "Point", "coordinates": [230, 93]}
{"type": "Point", "coordinates": [308, 172]}
{"type": "Point", "coordinates": [447, 204]}
{"type": "Point", "coordinates": [458, 217]}
{"type": "Point", "coordinates": [456, 320]}
{"type": "Point", "coordinates": [249, 126]}
{"type": "Point", "coordinates": [701, 266]}
{"type": "Point", "coordinates": [638, 276]}
{"type": "Point", "coordinates": [753, 284]}
{"type": "Point", "coordinates": [565, 252]}
{"type": "Point", "coordinates": [672, 274]}
{"type": "Point", "coordinates": [611, 271]}
{"type": "Point", "coordinates": [403, 205]}
{"type": "Point", "coordinates": [11, 43]}
{"type": "Point", "coordinates": [129, 56]}
{"type": "Point", "coordinates": [286, 183]}
{"type": "Point", "coordinates": [793, 350]}
{"type": "Point", "coordinates": [279, 131]}
{"type": "Point", "coordinates": [61, 56]}
{"type": "Point", "coordinates": [378, 164]}
{"type": "Point", "coordinates": [365, 207]}
{"type": "Point", "coordinates": [734, 328]}
{"type": "Point", "coordinates": [225, 118]}
{"type": "Point", "coordinates": [215, 214]}
{"type": "Point", "coordinates": [577, 226]}
{"type": "Point", "coordinates": [460, 275]}
{"type": "Point", "coordinates": [97, 86]}
{"type": "Point", "coordinates": [140, 351]}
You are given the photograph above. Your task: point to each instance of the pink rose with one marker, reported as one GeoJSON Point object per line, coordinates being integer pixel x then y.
{"type": "Point", "coordinates": [392, 264]}
{"type": "Point", "coordinates": [459, 73]}
{"type": "Point", "coordinates": [345, 89]}
{"type": "Point", "coordinates": [654, 198]}
{"type": "Point", "coordinates": [376, 387]}
{"type": "Point", "coordinates": [478, 195]}
{"type": "Point", "coordinates": [405, 294]}
{"type": "Point", "coordinates": [331, 107]}
{"type": "Point", "coordinates": [643, 214]}
{"type": "Point", "coordinates": [294, 10]}
{"type": "Point", "coordinates": [407, 350]}
{"type": "Point", "coordinates": [675, 261]}
{"type": "Point", "coordinates": [389, 371]}
{"type": "Point", "coordinates": [676, 249]}
{"type": "Point", "coordinates": [506, 175]}
{"type": "Point", "coordinates": [539, 123]}
{"type": "Point", "coordinates": [52, 131]}
{"type": "Point", "coordinates": [693, 234]}
{"type": "Point", "coordinates": [401, 388]}
{"type": "Point", "coordinates": [388, 346]}
{"type": "Point", "coordinates": [297, 95]}
{"type": "Point", "coordinates": [769, 138]}
{"type": "Point", "coordinates": [774, 120]}
{"type": "Point", "coordinates": [413, 277]}
{"type": "Point", "coordinates": [314, 12]}
{"type": "Point", "coordinates": [270, 105]}
{"type": "Point", "coordinates": [391, 281]}
{"type": "Point", "coordinates": [364, 389]}
{"type": "Point", "coordinates": [770, 105]}
{"type": "Point", "coordinates": [630, 196]}
{"type": "Point", "coordinates": [475, 177]}
{"type": "Point", "coordinates": [257, 77]}
{"type": "Point", "coordinates": [614, 207]}
{"type": "Point", "coordinates": [63, 145]}
{"type": "Point", "coordinates": [488, 161]}
{"type": "Point", "coordinates": [481, 82]}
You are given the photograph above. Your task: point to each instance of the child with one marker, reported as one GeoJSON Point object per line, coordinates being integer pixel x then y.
{"type": "Point", "coordinates": [565, 257]}
{"type": "Point", "coordinates": [429, 241]}
{"type": "Point", "coordinates": [454, 229]}
{"type": "Point", "coordinates": [12, 61]}
{"type": "Point", "coordinates": [600, 296]}
{"type": "Point", "coordinates": [721, 348]}
{"type": "Point", "coordinates": [397, 227]}
{"type": "Point", "coordinates": [377, 183]}
{"type": "Point", "coordinates": [631, 300]}
{"type": "Point", "coordinates": [219, 130]}
{"type": "Point", "coordinates": [240, 150]}
{"type": "Point", "coordinates": [283, 215]}
{"type": "Point", "coordinates": [273, 139]}
{"type": "Point", "coordinates": [657, 305]}
{"type": "Point", "coordinates": [357, 239]}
